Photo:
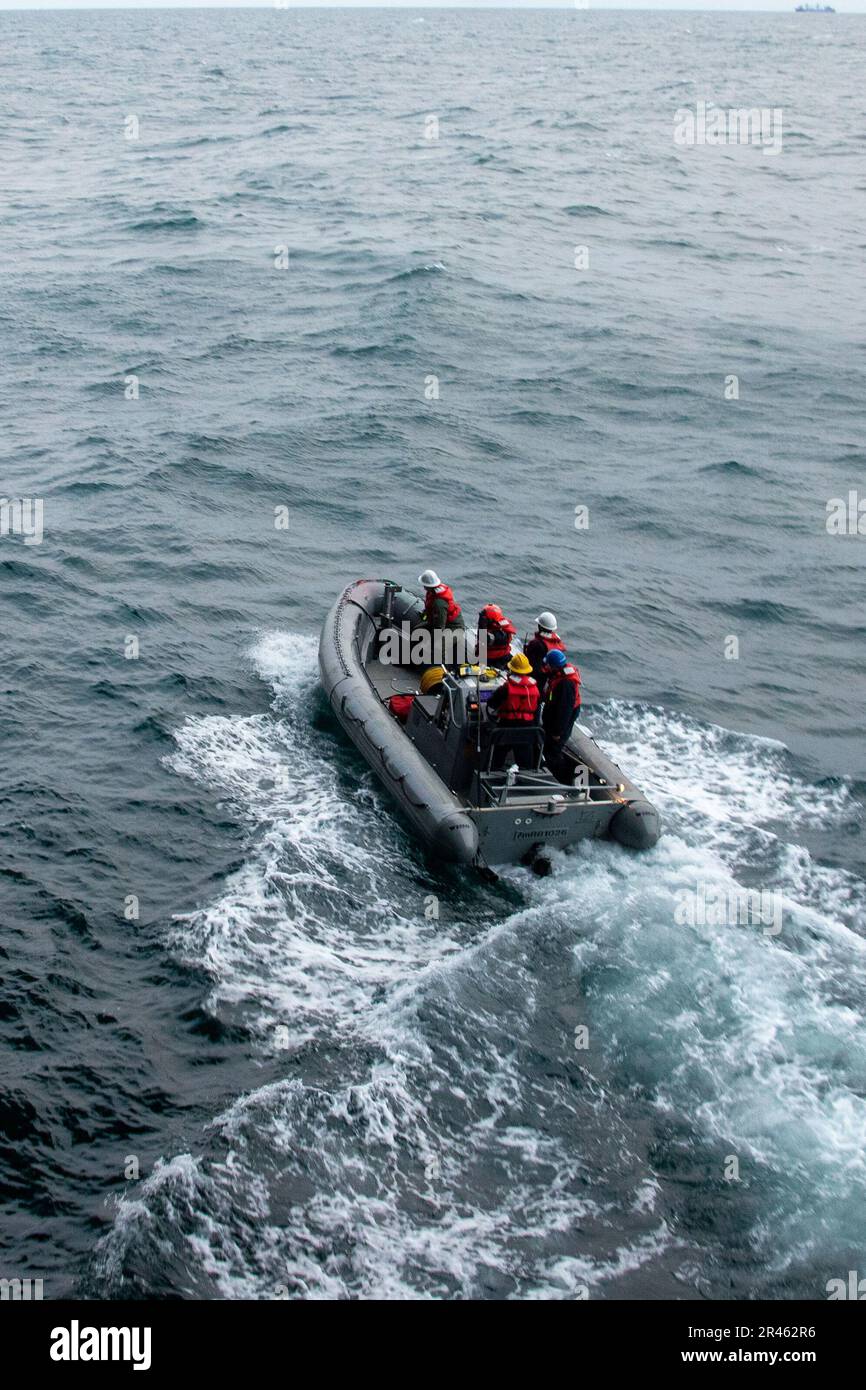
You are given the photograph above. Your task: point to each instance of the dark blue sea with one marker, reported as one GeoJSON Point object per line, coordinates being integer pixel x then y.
{"type": "Point", "coordinates": [246, 279]}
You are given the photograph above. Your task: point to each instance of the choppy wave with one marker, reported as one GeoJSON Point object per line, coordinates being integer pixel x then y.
{"type": "Point", "coordinates": [399, 1101]}
{"type": "Point", "coordinates": [454, 1142]}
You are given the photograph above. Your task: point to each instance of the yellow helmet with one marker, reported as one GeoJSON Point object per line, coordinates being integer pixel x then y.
{"type": "Point", "coordinates": [519, 665]}
{"type": "Point", "coordinates": [434, 675]}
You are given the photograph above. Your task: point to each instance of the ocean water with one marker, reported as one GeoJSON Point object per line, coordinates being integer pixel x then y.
{"type": "Point", "coordinates": [254, 1044]}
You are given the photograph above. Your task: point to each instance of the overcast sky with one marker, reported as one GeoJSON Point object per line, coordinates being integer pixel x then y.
{"type": "Point", "coordinates": [785, 6]}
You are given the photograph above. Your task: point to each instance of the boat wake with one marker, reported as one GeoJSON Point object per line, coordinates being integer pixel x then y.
{"type": "Point", "coordinates": [516, 1091]}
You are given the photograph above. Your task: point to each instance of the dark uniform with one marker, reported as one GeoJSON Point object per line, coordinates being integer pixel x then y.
{"type": "Point", "coordinates": [561, 708]}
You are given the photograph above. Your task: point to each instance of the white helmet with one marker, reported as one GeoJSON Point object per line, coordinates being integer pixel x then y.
{"type": "Point", "coordinates": [429, 579]}
{"type": "Point", "coordinates": [546, 621]}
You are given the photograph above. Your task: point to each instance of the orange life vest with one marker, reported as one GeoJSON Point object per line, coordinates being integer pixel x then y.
{"type": "Point", "coordinates": [499, 637]}
{"type": "Point", "coordinates": [441, 591]}
{"type": "Point", "coordinates": [570, 674]}
{"type": "Point", "coordinates": [520, 702]}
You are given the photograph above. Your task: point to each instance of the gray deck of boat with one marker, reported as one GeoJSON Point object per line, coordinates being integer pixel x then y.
{"type": "Point", "coordinates": [393, 680]}
{"type": "Point", "coordinates": [388, 680]}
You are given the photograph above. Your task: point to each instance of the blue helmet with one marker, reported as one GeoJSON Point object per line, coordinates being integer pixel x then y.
{"type": "Point", "coordinates": [555, 658]}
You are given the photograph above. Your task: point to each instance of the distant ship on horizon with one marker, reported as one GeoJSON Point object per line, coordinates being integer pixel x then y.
{"type": "Point", "coordinates": [814, 9]}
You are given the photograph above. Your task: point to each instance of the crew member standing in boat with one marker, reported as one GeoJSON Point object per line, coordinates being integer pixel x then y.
{"type": "Point", "coordinates": [498, 632]}
{"type": "Point", "coordinates": [441, 609]}
{"type": "Point", "coordinates": [560, 710]}
{"type": "Point", "coordinates": [515, 705]}
{"type": "Point", "coordinates": [545, 639]}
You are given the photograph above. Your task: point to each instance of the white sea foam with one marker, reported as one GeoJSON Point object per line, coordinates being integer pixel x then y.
{"type": "Point", "coordinates": [440, 1166]}
{"type": "Point", "coordinates": [302, 931]}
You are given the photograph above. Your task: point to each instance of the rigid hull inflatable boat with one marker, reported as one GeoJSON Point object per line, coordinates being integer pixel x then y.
{"type": "Point", "coordinates": [438, 765]}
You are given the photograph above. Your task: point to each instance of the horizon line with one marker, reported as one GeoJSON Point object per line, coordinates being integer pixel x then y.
{"type": "Point", "coordinates": [781, 8]}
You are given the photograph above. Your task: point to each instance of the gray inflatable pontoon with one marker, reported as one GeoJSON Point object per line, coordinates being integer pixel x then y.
{"type": "Point", "coordinates": [438, 765]}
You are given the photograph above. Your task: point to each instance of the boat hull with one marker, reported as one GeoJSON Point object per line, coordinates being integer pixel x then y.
{"type": "Point", "coordinates": [452, 827]}
{"type": "Point", "coordinates": [437, 815]}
